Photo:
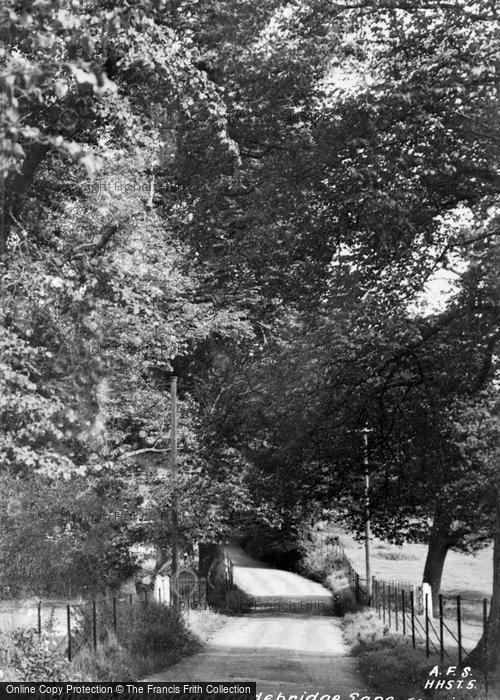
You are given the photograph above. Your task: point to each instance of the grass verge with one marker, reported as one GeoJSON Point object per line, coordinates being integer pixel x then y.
{"type": "Point", "coordinates": [204, 623]}
{"type": "Point", "coordinates": [393, 668]}
{"type": "Point", "coordinates": [150, 638]}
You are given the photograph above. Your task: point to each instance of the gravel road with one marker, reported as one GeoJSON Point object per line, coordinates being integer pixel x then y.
{"type": "Point", "coordinates": [287, 652]}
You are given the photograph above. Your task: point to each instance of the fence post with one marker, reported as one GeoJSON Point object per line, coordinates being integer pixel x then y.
{"type": "Point", "coordinates": [357, 587]}
{"type": "Point", "coordinates": [372, 600]}
{"type": "Point", "coordinates": [68, 625]}
{"type": "Point", "coordinates": [485, 638]}
{"type": "Point", "coordinates": [114, 614]}
{"type": "Point", "coordinates": [412, 608]}
{"type": "Point", "coordinates": [427, 651]}
{"type": "Point", "coordinates": [403, 608]}
{"type": "Point", "coordinates": [39, 612]}
{"type": "Point", "coordinates": [441, 628]}
{"type": "Point", "coordinates": [459, 630]}
{"type": "Point", "coordinates": [94, 625]}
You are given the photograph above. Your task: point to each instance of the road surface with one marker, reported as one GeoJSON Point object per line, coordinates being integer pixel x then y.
{"type": "Point", "coordinates": [287, 652]}
{"type": "Point", "coordinates": [266, 585]}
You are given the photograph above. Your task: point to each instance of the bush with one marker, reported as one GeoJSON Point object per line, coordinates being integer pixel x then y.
{"type": "Point", "coordinates": [396, 555]}
{"type": "Point", "coordinates": [344, 601]}
{"type": "Point", "coordinates": [318, 564]}
{"type": "Point", "coordinates": [157, 629]}
{"type": "Point", "coordinates": [319, 558]}
{"type": "Point", "coordinates": [30, 657]}
{"type": "Point", "coordinates": [320, 561]}
{"type": "Point", "coordinates": [149, 638]}
{"type": "Point", "coordinates": [43, 524]}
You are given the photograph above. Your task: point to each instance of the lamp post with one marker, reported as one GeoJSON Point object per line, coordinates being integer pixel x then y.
{"type": "Point", "coordinates": [173, 453]}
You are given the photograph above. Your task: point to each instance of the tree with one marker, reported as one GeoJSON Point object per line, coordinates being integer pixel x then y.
{"type": "Point", "coordinates": [273, 186]}
{"type": "Point", "coordinates": [99, 294]}
{"type": "Point", "coordinates": [486, 654]}
{"type": "Point", "coordinates": [67, 536]}
{"type": "Point", "coordinates": [390, 181]}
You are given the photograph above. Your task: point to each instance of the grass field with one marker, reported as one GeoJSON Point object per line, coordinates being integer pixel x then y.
{"type": "Point", "coordinates": [470, 575]}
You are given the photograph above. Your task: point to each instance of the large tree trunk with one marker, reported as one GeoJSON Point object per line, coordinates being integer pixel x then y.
{"type": "Point", "coordinates": [487, 652]}
{"type": "Point", "coordinates": [439, 544]}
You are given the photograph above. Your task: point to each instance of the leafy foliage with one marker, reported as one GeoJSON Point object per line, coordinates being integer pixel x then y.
{"type": "Point", "coordinates": [68, 535]}
{"type": "Point", "coordinates": [32, 656]}
{"type": "Point", "coordinates": [255, 196]}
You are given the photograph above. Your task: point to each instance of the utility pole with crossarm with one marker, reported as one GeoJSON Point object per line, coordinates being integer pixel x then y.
{"type": "Point", "coordinates": [365, 432]}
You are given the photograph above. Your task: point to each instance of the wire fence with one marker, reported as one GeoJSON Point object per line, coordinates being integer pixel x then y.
{"type": "Point", "coordinates": [452, 628]}
{"type": "Point", "coordinates": [87, 623]}
{"type": "Point", "coordinates": [75, 625]}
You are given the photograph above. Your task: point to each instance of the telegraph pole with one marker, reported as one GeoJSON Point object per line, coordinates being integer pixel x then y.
{"type": "Point", "coordinates": [365, 432]}
{"type": "Point", "coordinates": [173, 457]}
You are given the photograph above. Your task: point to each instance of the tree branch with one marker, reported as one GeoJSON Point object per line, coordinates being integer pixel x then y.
{"type": "Point", "coordinates": [144, 450]}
